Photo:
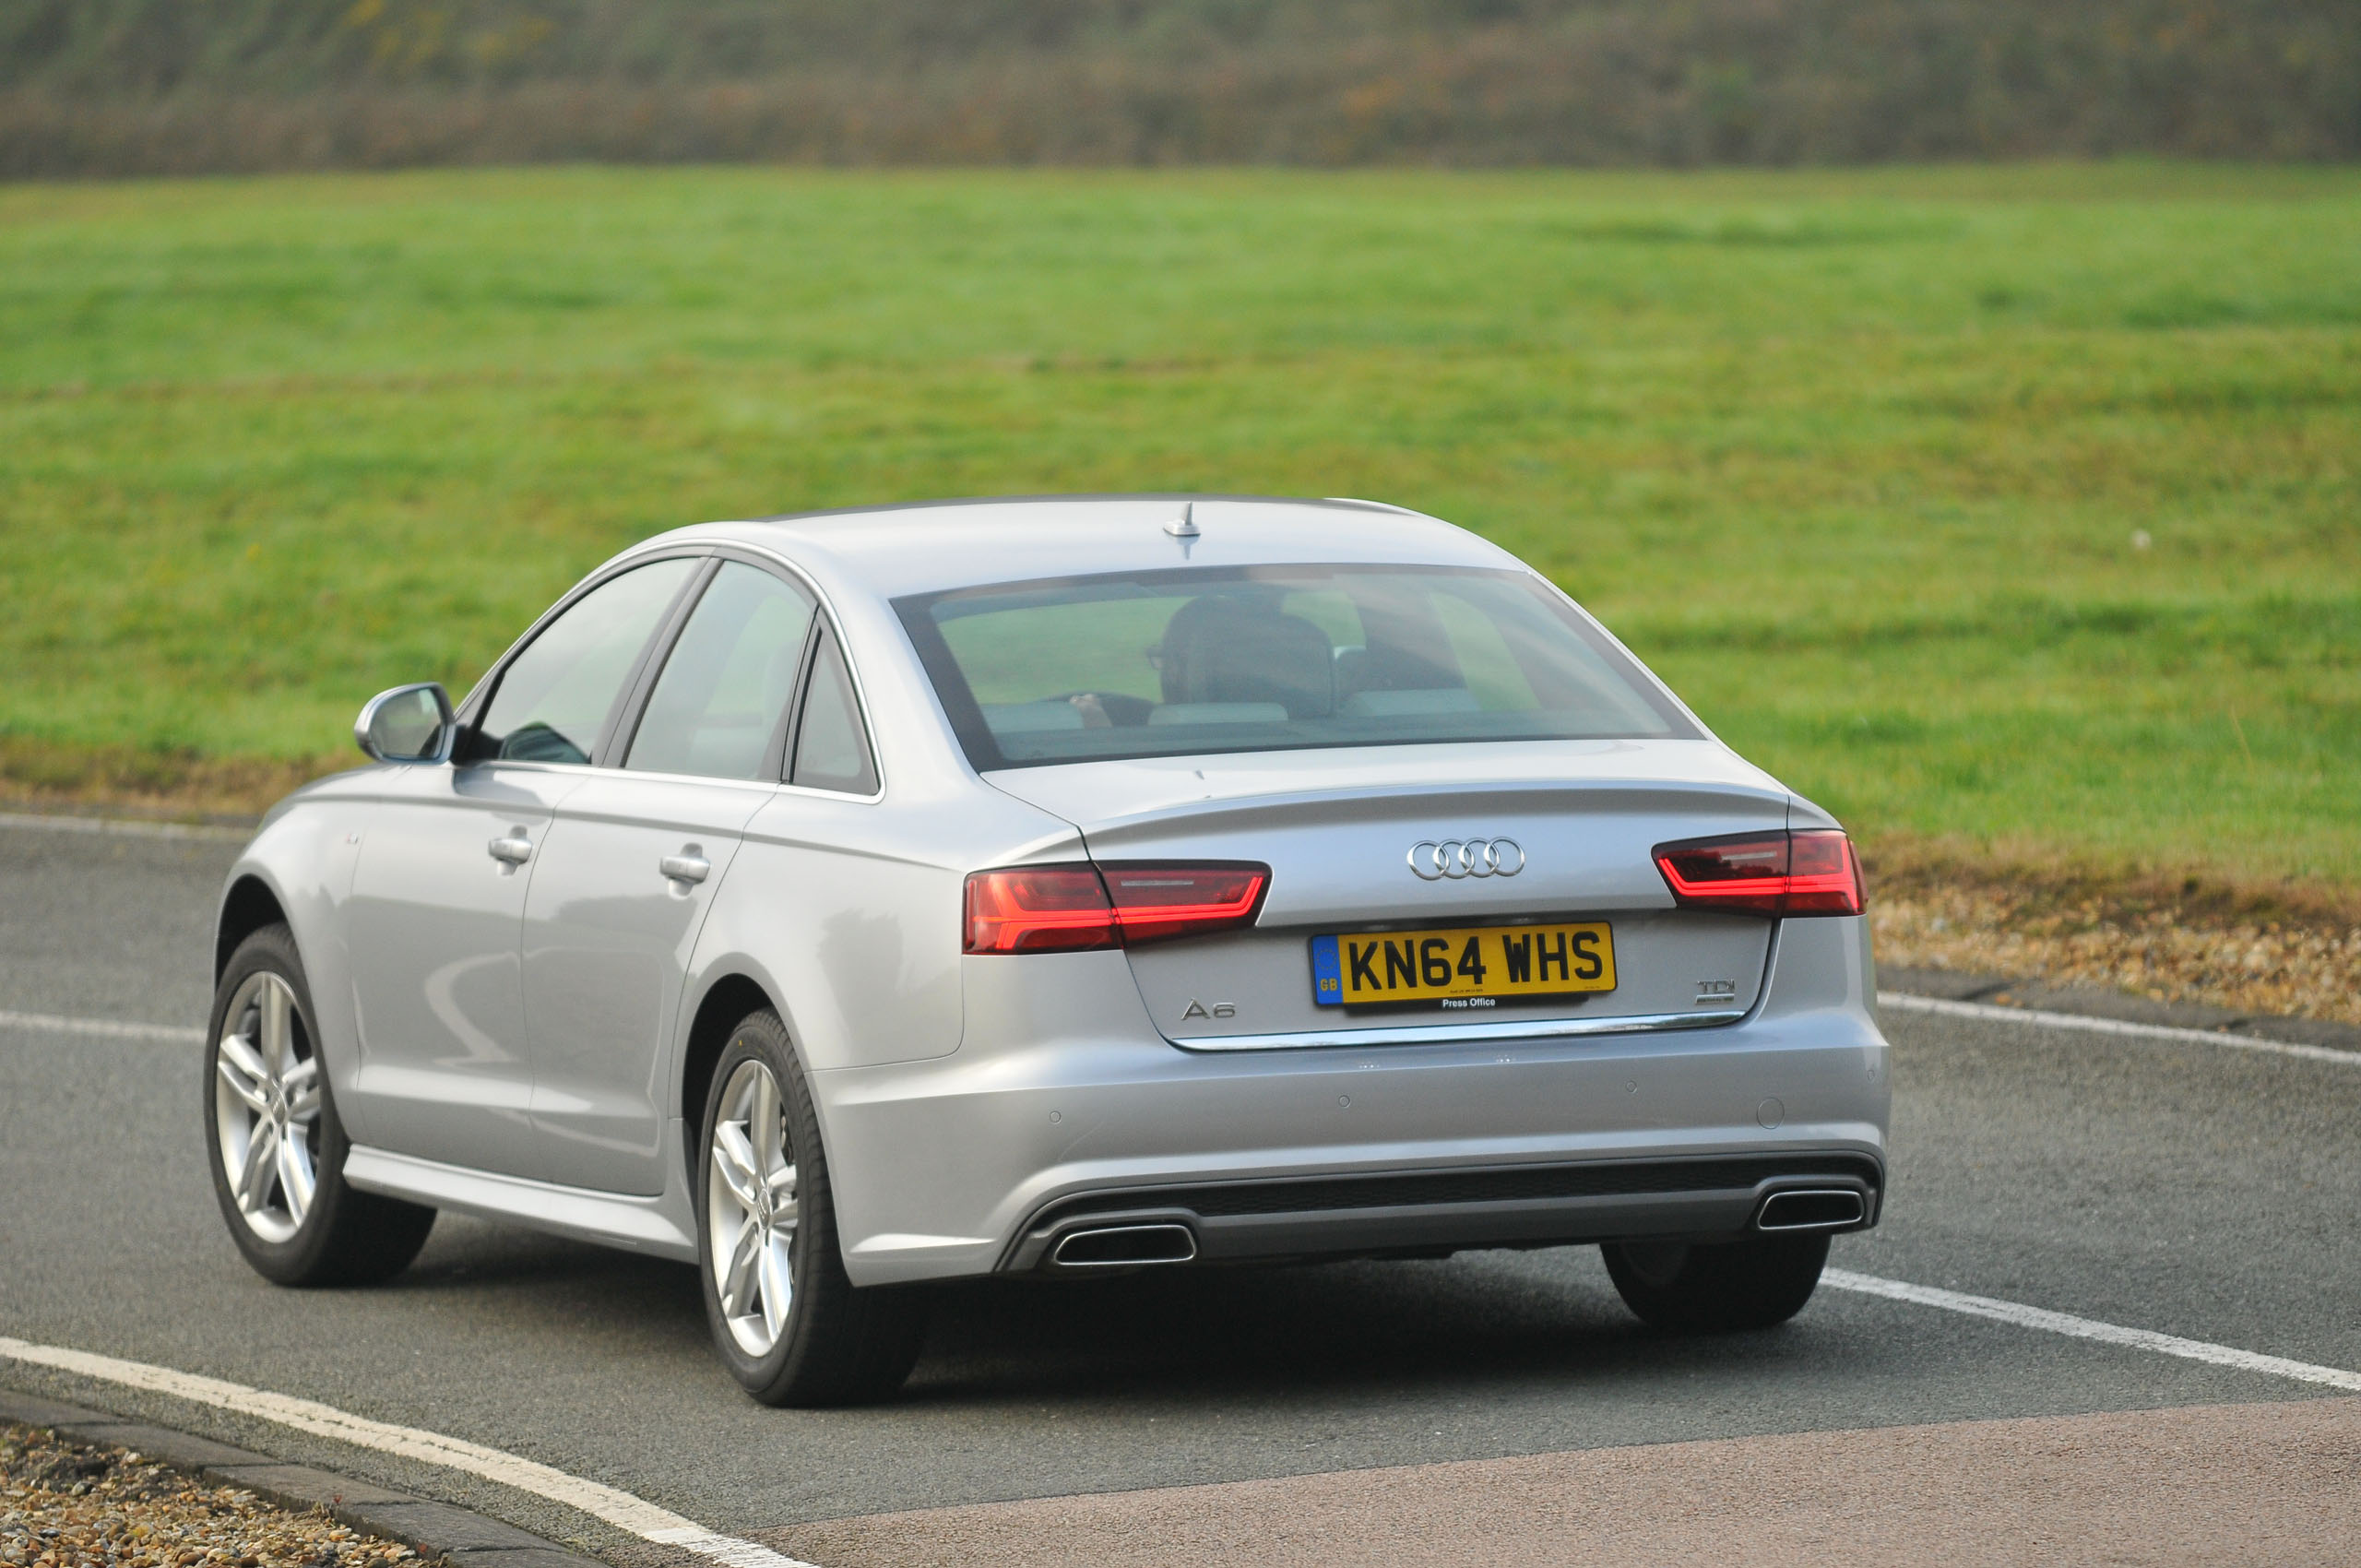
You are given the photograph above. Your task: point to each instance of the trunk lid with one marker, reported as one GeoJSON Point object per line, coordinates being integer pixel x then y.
{"type": "Point", "coordinates": [1337, 828]}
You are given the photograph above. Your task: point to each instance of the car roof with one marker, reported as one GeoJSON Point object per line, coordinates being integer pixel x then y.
{"type": "Point", "coordinates": [931, 546]}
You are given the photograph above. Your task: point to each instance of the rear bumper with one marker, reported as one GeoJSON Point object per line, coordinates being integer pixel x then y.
{"type": "Point", "coordinates": [1715, 1198]}
{"type": "Point", "coordinates": [1062, 1107]}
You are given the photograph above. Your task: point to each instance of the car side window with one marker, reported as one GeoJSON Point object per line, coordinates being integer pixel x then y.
{"type": "Point", "coordinates": [723, 695]}
{"type": "Point", "coordinates": [554, 698]}
{"type": "Point", "coordinates": [831, 744]}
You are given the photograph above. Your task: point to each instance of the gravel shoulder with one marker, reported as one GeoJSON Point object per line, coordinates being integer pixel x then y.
{"type": "Point", "coordinates": [2259, 951]}
{"type": "Point", "coordinates": [65, 1505]}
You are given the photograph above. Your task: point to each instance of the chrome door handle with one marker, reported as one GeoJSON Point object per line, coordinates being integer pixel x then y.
{"type": "Point", "coordinates": [512, 847]}
{"type": "Point", "coordinates": [686, 868]}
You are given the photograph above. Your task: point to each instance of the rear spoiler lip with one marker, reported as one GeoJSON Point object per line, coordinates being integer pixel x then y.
{"type": "Point", "coordinates": [1375, 805]}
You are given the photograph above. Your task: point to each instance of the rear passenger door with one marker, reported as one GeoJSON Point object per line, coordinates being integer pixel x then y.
{"type": "Point", "coordinates": [631, 866]}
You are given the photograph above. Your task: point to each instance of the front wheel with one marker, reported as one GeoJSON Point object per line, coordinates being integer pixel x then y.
{"type": "Point", "coordinates": [277, 1147]}
{"type": "Point", "coordinates": [787, 1321]}
{"type": "Point", "coordinates": [1717, 1288]}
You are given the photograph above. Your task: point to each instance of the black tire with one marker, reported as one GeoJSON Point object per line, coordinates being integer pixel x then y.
{"type": "Point", "coordinates": [839, 1344]}
{"type": "Point", "coordinates": [342, 1236]}
{"type": "Point", "coordinates": [1694, 1287]}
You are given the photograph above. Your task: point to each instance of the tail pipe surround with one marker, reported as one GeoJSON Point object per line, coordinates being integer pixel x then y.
{"type": "Point", "coordinates": [1123, 1246]}
{"type": "Point", "coordinates": [1812, 1208]}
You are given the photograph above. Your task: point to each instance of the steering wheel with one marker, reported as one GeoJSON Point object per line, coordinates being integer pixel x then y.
{"type": "Point", "coordinates": [1120, 709]}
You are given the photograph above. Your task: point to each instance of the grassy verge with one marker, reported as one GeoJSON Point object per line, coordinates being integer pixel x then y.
{"type": "Point", "coordinates": [2012, 509]}
{"type": "Point", "coordinates": [148, 781]}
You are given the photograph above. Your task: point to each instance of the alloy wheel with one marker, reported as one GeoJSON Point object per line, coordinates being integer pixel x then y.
{"type": "Point", "coordinates": [267, 1107]}
{"type": "Point", "coordinates": [750, 1209]}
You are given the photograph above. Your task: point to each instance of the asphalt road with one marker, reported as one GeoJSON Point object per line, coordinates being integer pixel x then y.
{"type": "Point", "coordinates": [2187, 1188]}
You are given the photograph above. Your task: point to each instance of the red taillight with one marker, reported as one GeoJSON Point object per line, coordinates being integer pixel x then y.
{"type": "Point", "coordinates": [1038, 910]}
{"type": "Point", "coordinates": [1155, 902]}
{"type": "Point", "coordinates": [1824, 874]}
{"type": "Point", "coordinates": [1065, 908]}
{"type": "Point", "coordinates": [1810, 873]}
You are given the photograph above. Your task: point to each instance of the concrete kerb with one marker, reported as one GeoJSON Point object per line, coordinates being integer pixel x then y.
{"type": "Point", "coordinates": [436, 1531]}
{"type": "Point", "coordinates": [216, 829]}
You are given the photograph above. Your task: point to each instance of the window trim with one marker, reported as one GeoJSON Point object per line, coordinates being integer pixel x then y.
{"type": "Point", "coordinates": [479, 700]}
{"type": "Point", "coordinates": [623, 727]}
{"type": "Point", "coordinates": [824, 637]}
{"type": "Point", "coordinates": [773, 763]}
{"type": "Point", "coordinates": [780, 750]}
{"type": "Point", "coordinates": [479, 696]}
{"type": "Point", "coordinates": [771, 560]}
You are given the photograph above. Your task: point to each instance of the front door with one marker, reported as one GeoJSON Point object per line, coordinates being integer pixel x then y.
{"type": "Point", "coordinates": [632, 865]}
{"type": "Point", "coordinates": [437, 897]}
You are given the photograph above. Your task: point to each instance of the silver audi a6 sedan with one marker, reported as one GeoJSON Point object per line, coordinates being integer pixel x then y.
{"type": "Point", "coordinates": [852, 901]}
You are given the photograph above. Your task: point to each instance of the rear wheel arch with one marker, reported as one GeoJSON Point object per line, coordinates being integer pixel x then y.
{"type": "Point", "coordinates": [726, 1003]}
{"type": "Point", "coordinates": [247, 908]}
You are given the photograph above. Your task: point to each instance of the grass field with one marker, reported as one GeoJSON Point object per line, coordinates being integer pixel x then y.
{"type": "Point", "coordinates": [2009, 507]}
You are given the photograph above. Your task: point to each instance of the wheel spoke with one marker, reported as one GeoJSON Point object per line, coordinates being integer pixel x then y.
{"type": "Point", "coordinates": [240, 1048]}
{"type": "Point", "coordinates": [740, 1272]}
{"type": "Point", "coordinates": [778, 1288]}
{"type": "Point", "coordinates": [303, 1085]}
{"type": "Point", "coordinates": [784, 1210]}
{"type": "Point", "coordinates": [734, 1161]}
{"type": "Point", "coordinates": [252, 1187]}
{"type": "Point", "coordinates": [296, 1177]}
{"type": "Point", "coordinates": [277, 1033]}
{"type": "Point", "coordinates": [243, 1072]}
{"type": "Point", "coordinates": [763, 1122]}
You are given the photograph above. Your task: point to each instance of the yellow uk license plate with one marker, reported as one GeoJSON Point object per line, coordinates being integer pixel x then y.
{"type": "Point", "coordinates": [1462, 968]}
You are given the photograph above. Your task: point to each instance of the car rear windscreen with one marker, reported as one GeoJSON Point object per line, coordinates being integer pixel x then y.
{"type": "Point", "coordinates": [1195, 660]}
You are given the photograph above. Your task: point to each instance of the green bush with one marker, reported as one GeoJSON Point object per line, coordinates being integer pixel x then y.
{"type": "Point", "coordinates": [112, 87]}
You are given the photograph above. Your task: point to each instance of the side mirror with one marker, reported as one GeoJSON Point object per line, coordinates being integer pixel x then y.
{"type": "Point", "coordinates": [408, 724]}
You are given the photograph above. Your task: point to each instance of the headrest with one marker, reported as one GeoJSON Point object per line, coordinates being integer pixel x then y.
{"type": "Point", "coordinates": [1222, 648]}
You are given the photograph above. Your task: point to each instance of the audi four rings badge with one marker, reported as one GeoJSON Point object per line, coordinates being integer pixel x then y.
{"type": "Point", "coordinates": [1456, 858]}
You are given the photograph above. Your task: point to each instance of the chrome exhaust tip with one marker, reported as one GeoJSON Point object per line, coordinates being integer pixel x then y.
{"type": "Point", "coordinates": [1812, 1208]}
{"type": "Point", "coordinates": [1123, 1246]}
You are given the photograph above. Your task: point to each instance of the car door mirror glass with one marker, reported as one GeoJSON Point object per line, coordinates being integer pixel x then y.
{"type": "Point", "coordinates": [408, 724]}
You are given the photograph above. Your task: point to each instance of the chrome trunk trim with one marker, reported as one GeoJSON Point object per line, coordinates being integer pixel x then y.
{"type": "Point", "coordinates": [1453, 1034]}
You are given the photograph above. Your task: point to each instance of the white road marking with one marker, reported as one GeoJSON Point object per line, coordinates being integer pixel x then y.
{"type": "Point", "coordinates": [2090, 1328]}
{"type": "Point", "coordinates": [108, 1028]}
{"type": "Point", "coordinates": [618, 1508]}
{"type": "Point", "coordinates": [1903, 1002]}
{"type": "Point", "coordinates": [131, 826]}
{"type": "Point", "coordinates": [178, 1035]}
